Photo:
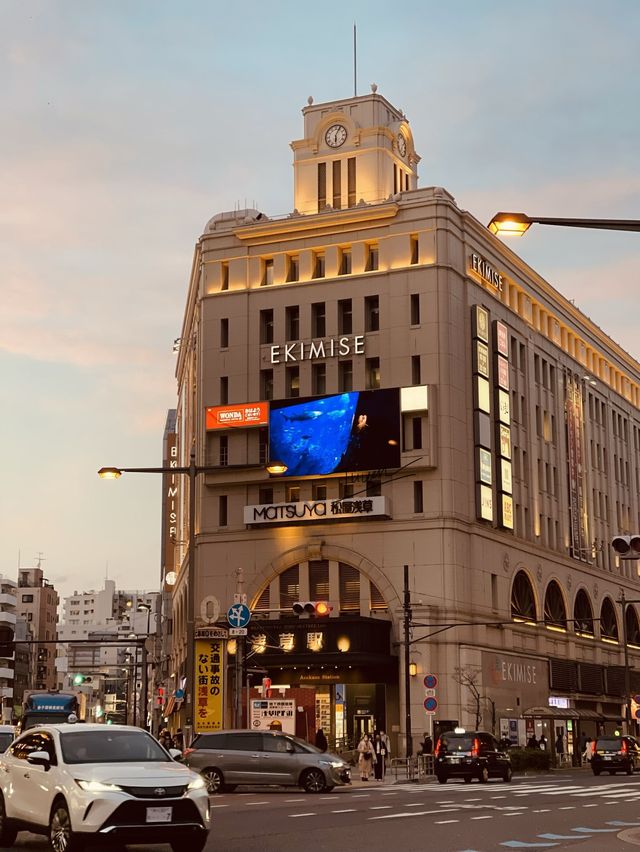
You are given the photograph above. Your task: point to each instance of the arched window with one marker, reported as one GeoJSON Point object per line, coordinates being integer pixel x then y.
{"type": "Point", "coordinates": [608, 622]}
{"type": "Point", "coordinates": [633, 627]}
{"type": "Point", "coordinates": [523, 601]}
{"type": "Point", "coordinates": [583, 615]}
{"type": "Point", "coordinates": [555, 613]}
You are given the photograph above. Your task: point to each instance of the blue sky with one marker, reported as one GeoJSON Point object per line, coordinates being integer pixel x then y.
{"type": "Point", "coordinates": [127, 125]}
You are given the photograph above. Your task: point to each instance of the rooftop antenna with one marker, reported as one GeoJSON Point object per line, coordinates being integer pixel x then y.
{"type": "Point", "coordinates": [40, 559]}
{"type": "Point", "coordinates": [355, 57]}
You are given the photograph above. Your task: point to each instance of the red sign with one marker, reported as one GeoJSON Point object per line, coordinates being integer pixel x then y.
{"type": "Point", "coordinates": [237, 416]}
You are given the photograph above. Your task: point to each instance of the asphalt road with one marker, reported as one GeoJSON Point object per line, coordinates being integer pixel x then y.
{"type": "Point", "coordinates": [559, 811]}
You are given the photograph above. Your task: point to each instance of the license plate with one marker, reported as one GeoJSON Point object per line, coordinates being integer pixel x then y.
{"type": "Point", "coordinates": [159, 814]}
{"type": "Point", "coordinates": [607, 757]}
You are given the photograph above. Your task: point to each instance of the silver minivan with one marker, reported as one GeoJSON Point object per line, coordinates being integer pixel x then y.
{"type": "Point", "coordinates": [229, 758]}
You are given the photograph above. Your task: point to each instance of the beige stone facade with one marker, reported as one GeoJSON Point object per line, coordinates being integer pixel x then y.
{"type": "Point", "coordinates": [381, 289]}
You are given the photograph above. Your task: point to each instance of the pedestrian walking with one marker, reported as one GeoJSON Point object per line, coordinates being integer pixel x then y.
{"type": "Point", "coordinates": [381, 755]}
{"type": "Point", "coordinates": [427, 744]}
{"type": "Point", "coordinates": [366, 757]}
{"type": "Point", "coordinates": [543, 742]}
{"type": "Point", "coordinates": [560, 747]}
{"type": "Point", "coordinates": [321, 740]}
{"type": "Point", "coordinates": [532, 742]}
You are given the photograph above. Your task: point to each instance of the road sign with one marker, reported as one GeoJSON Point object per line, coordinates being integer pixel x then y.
{"type": "Point", "coordinates": [238, 631]}
{"type": "Point", "coordinates": [238, 615]}
{"type": "Point", "coordinates": [430, 705]}
{"type": "Point", "coordinates": [429, 693]}
{"type": "Point", "coordinates": [430, 681]}
{"type": "Point", "coordinates": [238, 598]}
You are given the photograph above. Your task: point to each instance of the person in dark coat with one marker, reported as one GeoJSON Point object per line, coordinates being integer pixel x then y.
{"type": "Point", "coordinates": [321, 740]}
{"type": "Point", "coordinates": [532, 742]}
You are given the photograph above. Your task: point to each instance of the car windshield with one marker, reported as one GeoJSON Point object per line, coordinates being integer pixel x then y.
{"type": "Point", "coordinates": [5, 741]}
{"type": "Point", "coordinates": [35, 719]}
{"type": "Point", "coordinates": [111, 746]}
{"type": "Point", "coordinates": [304, 745]}
{"type": "Point", "coordinates": [609, 744]}
{"type": "Point", "coordinates": [457, 743]}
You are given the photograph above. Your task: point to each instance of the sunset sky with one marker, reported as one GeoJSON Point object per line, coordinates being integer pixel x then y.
{"type": "Point", "coordinates": [127, 125]}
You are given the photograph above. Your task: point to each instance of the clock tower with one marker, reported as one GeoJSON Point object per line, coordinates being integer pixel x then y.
{"type": "Point", "coordinates": [357, 150]}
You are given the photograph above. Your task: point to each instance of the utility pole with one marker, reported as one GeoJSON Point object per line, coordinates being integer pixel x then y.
{"type": "Point", "coordinates": [239, 657]}
{"type": "Point", "coordinates": [406, 607]}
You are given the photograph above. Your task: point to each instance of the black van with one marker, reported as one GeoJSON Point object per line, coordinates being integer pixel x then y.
{"type": "Point", "coordinates": [615, 754]}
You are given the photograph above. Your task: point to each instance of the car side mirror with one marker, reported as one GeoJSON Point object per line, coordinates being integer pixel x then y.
{"type": "Point", "coordinates": [39, 758]}
{"type": "Point", "coordinates": [175, 753]}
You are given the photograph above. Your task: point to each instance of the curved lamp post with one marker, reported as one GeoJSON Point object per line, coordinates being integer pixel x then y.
{"type": "Point", "coordinates": [516, 224]}
{"type": "Point", "coordinates": [192, 471]}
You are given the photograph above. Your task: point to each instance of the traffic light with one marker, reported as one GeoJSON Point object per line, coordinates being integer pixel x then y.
{"type": "Point", "coordinates": [160, 694]}
{"type": "Point", "coordinates": [79, 679]}
{"type": "Point", "coordinates": [627, 546]}
{"type": "Point", "coordinates": [317, 608]}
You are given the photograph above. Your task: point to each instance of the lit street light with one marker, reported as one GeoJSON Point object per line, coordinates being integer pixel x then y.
{"type": "Point", "coordinates": [192, 471]}
{"type": "Point", "coordinates": [516, 224]}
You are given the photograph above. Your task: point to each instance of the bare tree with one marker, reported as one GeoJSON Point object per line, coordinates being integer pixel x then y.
{"type": "Point", "coordinates": [470, 678]}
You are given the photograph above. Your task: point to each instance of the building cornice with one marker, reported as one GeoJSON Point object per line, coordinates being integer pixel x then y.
{"type": "Point", "coordinates": [291, 225]}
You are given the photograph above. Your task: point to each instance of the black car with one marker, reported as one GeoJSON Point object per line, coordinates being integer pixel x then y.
{"type": "Point", "coordinates": [468, 755]}
{"type": "Point", "coordinates": [615, 754]}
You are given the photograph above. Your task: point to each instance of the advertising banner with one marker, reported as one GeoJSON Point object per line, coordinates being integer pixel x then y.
{"type": "Point", "coordinates": [209, 688]}
{"type": "Point", "coordinates": [237, 416]}
{"type": "Point", "coordinates": [273, 714]}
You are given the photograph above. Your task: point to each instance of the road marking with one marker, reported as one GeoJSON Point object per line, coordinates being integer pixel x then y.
{"type": "Point", "coordinates": [345, 811]}
{"type": "Point", "coordinates": [218, 806]}
{"type": "Point", "coordinates": [389, 794]}
{"type": "Point", "coordinates": [483, 817]}
{"type": "Point", "coordinates": [543, 811]}
{"type": "Point", "coordinates": [404, 814]}
{"type": "Point", "coordinates": [473, 800]}
{"type": "Point", "coordinates": [513, 813]}
{"type": "Point", "coordinates": [413, 804]}
{"type": "Point", "coordinates": [324, 798]}
{"type": "Point", "coordinates": [567, 808]}
{"type": "Point", "coordinates": [256, 803]}
{"type": "Point", "coordinates": [448, 802]}
{"type": "Point", "coordinates": [594, 805]}
{"type": "Point", "coordinates": [445, 821]}
{"type": "Point", "coordinates": [294, 816]}
{"type": "Point", "coordinates": [295, 800]}
{"type": "Point", "coordinates": [498, 797]}
{"type": "Point", "coordinates": [584, 830]}
{"type": "Point", "coordinates": [619, 822]}
{"type": "Point", "coordinates": [518, 844]}
{"type": "Point", "coordinates": [363, 796]}
{"type": "Point", "coordinates": [559, 837]}
{"type": "Point", "coordinates": [379, 807]}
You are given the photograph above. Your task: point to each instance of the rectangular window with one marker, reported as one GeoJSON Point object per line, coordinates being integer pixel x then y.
{"type": "Point", "coordinates": [292, 381]}
{"type": "Point", "coordinates": [345, 376]}
{"type": "Point", "coordinates": [267, 272]}
{"type": "Point", "coordinates": [372, 258]}
{"type": "Point", "coordinates": [372, 313]}
{"type": "Point", "coordinates": [345, 316]}
{"type": "Point", "coordinates": [415, 370]}
{"type": "Point", "coordinates": [337, 184]}
{"type": "Point", "coordinates": [351, 182]}
{"type": "Point", "coordinates": [319, 379]}
{"type": "Point", "coordinates": [418, 501]}
{"type": "Point", "coordinates": [224, 390]}
{"type": "Point", "coordinates": [266, 384]}
{"type": "Point", "coordinates": [265, 495]}
{"type": "Point", "coordinates": [346, 489]}
{"type": "Point", "coordinates": [289, 587]}
{"type": "Point", "coordinates": [319, 492]}
{"type": "Point", "coordinates": [222, 510]}
{"type": "Point", "coordinates": [372, 370]}
{"type": "Point", "coordinates": [318, 265]}
{"type": "Point", "coordinates": [318, 319]}
{"type": "Point", "coordinates": [263, 446]}
{"type": "Point", "coordinates": [345, 262]}
{"type": "Point", "coordinates": [293, 267]}
{"type": "Point", "coordinates": [415, 309]}
{"type": "Point", "coordinates": [292, 322]}
{"type": "Point", "coordinates": [374, 488]}
{"type": "Point", "coordinates": [266, 326]}
{"type": "Point", "coordinates": [415, 250]}
{"type": "Point", "coordinates": [292, 493]}
{"type": "Point", "coordinates": [223, 451]}
{"type": "Point", "coordinates": [416, 432]}
{"type": "Point", "coordinates": [322, 186]}
{"type": "Point", "coordinates": [224, 333]}
{"type": "Point", "coordinates": [494, 591]}
{"type": "Point", "coordinates": [29, 599]}
{"type": "Point", "coordinates": [395, 179]}
{"type": "Point", "coordinates": [224, 270]}
{"type": "Point", "coordinates": [349, 580]}
{"type": "Point", "coordinates": [319, 579]}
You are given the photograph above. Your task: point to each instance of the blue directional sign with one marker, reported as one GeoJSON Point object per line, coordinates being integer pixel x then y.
{"type": "Point", "coordinates": [238, 615]}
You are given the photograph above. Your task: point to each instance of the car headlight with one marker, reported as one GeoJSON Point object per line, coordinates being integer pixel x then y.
{"type": "Point", "coordinates": [97, 786]}
{"type": "Point", "coordinates": [335, 764]}
{"type": "Point", "coordinates": [197, 784]}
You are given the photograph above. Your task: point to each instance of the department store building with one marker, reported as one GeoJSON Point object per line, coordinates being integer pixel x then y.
{"type": "Point", "coordinates": [438, 405]}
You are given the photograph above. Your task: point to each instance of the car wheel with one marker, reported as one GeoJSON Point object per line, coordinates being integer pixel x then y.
{"type": "Point", "coordinates": [442, 779]}
{"type": "Point", "coordinates": [195, 844]}
{"type": "Point", "coordinates": [313, 781]}
{"type": "Point", "coordinates": [8, 833]}
{"type": "Point", "coordinates": [467, 779]}
{"type": "Point", "coordinates": [596, 771]}
{"type": "Point", "coordinates": [61, 835]}
{"type": "Point", "coordinates": [508, 775]}
{"type": "Point", "coordinates": [483, 777]}
{"type": "Point", "coordinates": [630, 769]}
{"type": "Point", "coordinates": [214, 780]}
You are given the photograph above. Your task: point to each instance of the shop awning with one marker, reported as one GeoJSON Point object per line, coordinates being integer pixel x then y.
{"type": "Point", "coordinates": [560, 713]}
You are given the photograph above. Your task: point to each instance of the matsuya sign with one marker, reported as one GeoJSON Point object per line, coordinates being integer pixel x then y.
{"type": "Point", "coordinates": [318, 510]}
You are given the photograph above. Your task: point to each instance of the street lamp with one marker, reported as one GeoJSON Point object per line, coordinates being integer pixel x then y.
{"type": "Point", "coordinates": [516, 224]}
{"type": "Point", "coordinates": [192, 471]}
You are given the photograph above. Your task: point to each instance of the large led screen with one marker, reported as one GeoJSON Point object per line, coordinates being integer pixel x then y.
{"type": "Point", "coordinates": [348, 432]}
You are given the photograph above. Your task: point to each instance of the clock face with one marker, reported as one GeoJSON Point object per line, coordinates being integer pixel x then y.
{"type": "Point", "coordinates": [402, 145]}
{"type": "Point", "coordinates": [335, 135]}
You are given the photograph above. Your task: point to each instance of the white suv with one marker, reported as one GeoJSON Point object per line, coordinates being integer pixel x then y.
{"type": "Point", "coordinates": [80, 783]}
